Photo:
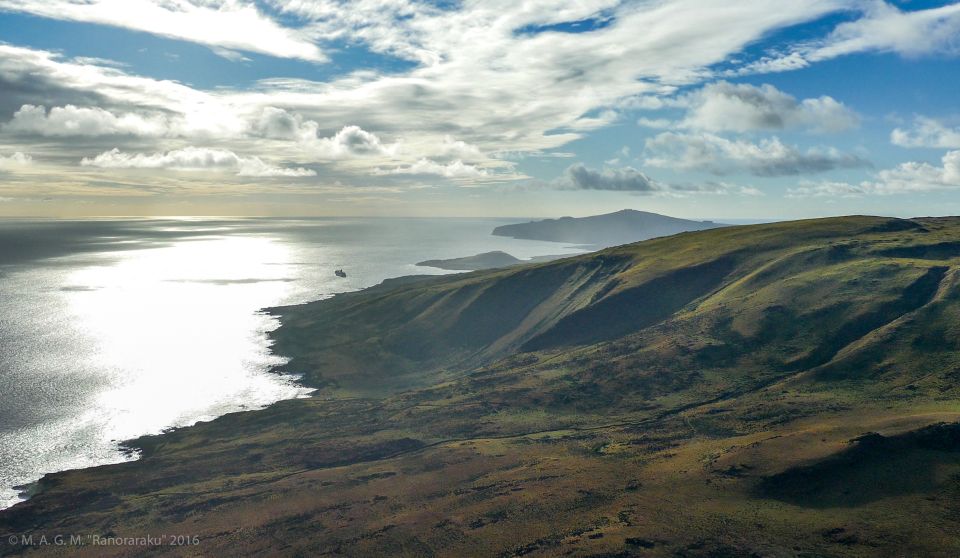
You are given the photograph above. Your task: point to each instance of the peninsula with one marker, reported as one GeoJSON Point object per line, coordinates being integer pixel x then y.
{"type": "Point", "coordinates": [487, 260]}
{"type": "Point", "coordinates": [601, 231]}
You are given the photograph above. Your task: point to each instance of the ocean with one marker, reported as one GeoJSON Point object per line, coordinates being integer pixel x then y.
{"type": "Point", "coordinates": [111, 329]}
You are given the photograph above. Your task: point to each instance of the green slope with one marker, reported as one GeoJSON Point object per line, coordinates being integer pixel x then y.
{"type": "Point", "coordinates": [788, 389]}
{"type": "Point", "coordinates": [796, 293]}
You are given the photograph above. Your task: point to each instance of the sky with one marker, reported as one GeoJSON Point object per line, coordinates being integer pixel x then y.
{"type": "Point", "coordinates": [710, 109]}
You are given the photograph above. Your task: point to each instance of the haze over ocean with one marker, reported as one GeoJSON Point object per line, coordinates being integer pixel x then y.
{"type": "Point", "coordinates": [113, 329]}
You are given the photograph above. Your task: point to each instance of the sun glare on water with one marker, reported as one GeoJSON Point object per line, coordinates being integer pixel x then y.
{"type": "Point", "coordinates": [179, 327]}
{"type": "Point", "coordinates": [155, 338]}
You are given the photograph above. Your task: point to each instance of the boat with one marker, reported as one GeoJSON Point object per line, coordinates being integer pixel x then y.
{"type": "Point", "coordinates": [340, 273]}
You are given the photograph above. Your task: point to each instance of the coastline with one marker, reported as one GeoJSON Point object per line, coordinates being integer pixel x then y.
{"type": "Point", "coordinates": [131, 407]}
{"type": "Point", "coordinates": [135, 449]}
{"type": "Point", "coordinates": [149, 444]}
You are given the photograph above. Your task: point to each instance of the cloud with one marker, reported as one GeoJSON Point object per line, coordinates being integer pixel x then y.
{"type": "Point", "coordinates": [15, 161]}
{"type": "Point", "coordinates": [222, 24]}
{"type": "Point", "coordinates": [254, 166]}
{"type": "Point", "coordinates": [351, 141]}
{"type": "Point", "coordinates": [452, 148]}
{"type": "Point", "coordinates": [448, 157]}
{"type": "Point", "coordinates": [629, 179]}
{"type": "Point", "coordinates": [230, 55]}
{"type": "Point", "coordinates": [473, 78]}
{"type": "Point", "coordinates": [927, 132]}
{"type": "Point", "coordinates": [888, 29]}
{"type": "Point", "coordinates": [348, 143]}
{"type": "Point", "coordinates": [720, 156]}
{"type": "Point", "coordinates": [476, 73]}
{"type": "Point", "coordinates": [71, 120]}
{"type": "Point", "coordinates": [625, 179]}
{"type": "Point", "coordinates": [905, 178]}
{"type": "Point", "coordinates": [277, 123]}
{"type": "Point", "coordinates": [193, 159]}
{"type": "Point", "coordinates": [884, 28]}
{"type": "Point", "coordinates": [825, 189]}
{"type": "Point", "coordinates": [498, 76]}
{"type": "Point", "coordinates": [772, 64]}
{"type": "Point", "coordinates": [919, 177]}
{"type": "Point", "coordinates": [36, 77]}
{"type": "Point", "coordinates": [656, 123]}
{"type": "Point", "coordinates": [188, 158]}
{"type": "Point", "coordinates": [725, 106]}
{"type": "Point", "coordinates": [455, 169]}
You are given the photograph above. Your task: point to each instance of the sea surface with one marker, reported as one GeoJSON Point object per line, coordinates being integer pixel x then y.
{"type": "Point", "coordinates": [111, 329]}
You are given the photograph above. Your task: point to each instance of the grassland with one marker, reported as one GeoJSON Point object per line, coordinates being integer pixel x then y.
{"type": "Point", "coordinates": [788, 389]}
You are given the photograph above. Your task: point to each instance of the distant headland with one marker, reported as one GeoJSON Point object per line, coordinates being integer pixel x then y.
{"type": "Point", "coordinates": [487, 260]}
{"type": "Point", "coordinates": [601, 231]}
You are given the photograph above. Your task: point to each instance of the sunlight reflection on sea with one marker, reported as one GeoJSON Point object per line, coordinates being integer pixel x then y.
{"type": "Point", "coordinates": [146, 325]}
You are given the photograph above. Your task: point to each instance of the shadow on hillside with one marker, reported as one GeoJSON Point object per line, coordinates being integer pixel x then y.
{"type": "Point", "coordinates": [873, 467]}
{"type": "Point", "coordinates": [634, 309]}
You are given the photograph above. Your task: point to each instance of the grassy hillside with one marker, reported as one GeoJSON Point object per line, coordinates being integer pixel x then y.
{"type": "Point", "coordinates": [788, 389]}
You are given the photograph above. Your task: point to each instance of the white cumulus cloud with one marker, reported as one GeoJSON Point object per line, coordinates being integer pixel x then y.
{"type": "Point", "coordinates": [927, 132]}
{"type": "Point", "coordinates": [15, 161]}
{"type": "Point", "coordinates": [918, 176]}
{"type": "Point", "coordinates": [905, 178]}
{"type": "Point", "coordinates": [717, 155]}
{"type": "Point", "coordinates": [454, 169]}
{"type": "Point", "coordinates": [71, 120]}
{"type": "Point", "coordinates": [351, 141]}
{"type": "Point", "coordinates": [278, 123]}
{"type": "Point", "coordinates": [725, 106]}
{"type": "Point", "coordinates": [193, 159]}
